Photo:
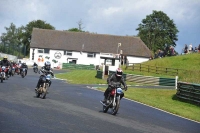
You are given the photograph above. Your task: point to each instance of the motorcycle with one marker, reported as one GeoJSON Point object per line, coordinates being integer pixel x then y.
{"type": "Point", "coordinates": [17, 70]}
{"type": "Point", "coordinates": [23, 72]}
{"type": "Point", "coordinates": [13, 71]}
{"type": "Point", "coordinates": [3, 76]}
{"type": "Point", "coordinates": [35, 69]}
{"type": "Point", "coordinates": [44, 86]}
{"type": "Point", "coordinates": [113, 100]}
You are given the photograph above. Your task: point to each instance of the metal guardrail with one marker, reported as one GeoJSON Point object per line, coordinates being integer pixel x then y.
{"type": "Point", "coordinates": [188, 91]}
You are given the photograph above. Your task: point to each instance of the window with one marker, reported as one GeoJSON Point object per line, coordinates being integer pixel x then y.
{"type": "Point", "coordinates": [69, 53]}
{"type": "Point", "coordinates": [40, 50]}
{"type": "Point", "coordinates": [46, 51]}
{"type": "Point", "coordinates": [91, 55]}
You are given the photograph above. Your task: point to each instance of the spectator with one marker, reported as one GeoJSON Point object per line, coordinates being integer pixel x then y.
{"type": "Point", "coordinates": [190, 48]}
{"type": "Point", "coordinates": [172, 52]}
{"type": "Point", "coordinates": [199, 48]}
{"type": "Point", "coordinates": [186, 49]}
{"type": "Point", "coordinates": [195, 49]}
{"type": "Point", "coordinates": [160, 53]}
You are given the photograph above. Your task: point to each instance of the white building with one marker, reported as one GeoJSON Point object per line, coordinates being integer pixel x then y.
{"type": "Point", "coordinates": [85, 48]}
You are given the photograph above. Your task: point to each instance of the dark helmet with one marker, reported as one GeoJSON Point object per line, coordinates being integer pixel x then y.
{"type": "Point", "coordinates": [47, 65]}
{"type": "Point", "coordinates": [119, 72]}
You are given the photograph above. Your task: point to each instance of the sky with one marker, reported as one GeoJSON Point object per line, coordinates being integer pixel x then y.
{"type": "Point", "coordinates": [114, 17]}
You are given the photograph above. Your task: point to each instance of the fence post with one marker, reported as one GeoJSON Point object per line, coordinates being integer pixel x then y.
{"type": "Point", "coordinates": [176, 82]}
{"type": "Point", "coordinates": [140, 67]}
{"type": "Point", "coordinates": [133, 67]}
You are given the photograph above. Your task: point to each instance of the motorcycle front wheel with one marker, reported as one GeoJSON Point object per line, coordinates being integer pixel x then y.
{"type": "Point", "coordinates": [116, 107]}
{"type": "Point", "coordinates": [45, 91]}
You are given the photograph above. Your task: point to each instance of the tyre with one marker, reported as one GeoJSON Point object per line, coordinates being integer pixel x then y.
{"type": "Point", "coordinates": [22, 74]}
{"type": "Point", "coordinates": [1, 79]}
{"type": "Point", "coordinates": [45, 91]}
{"type": "Point", "coordinates": [105, 109]}
{"type": "Point", "coordinates": [37, 94]}
{"type": "Point", "coordinates": [116, 107]}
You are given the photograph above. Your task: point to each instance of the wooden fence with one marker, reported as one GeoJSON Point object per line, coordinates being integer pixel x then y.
{"type": "Point", "coordinates": [149, 80]}
{"type": "Point", "coordinates": [153, 69]}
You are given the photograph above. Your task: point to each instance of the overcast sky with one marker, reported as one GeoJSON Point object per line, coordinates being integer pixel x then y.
{"type": "Point", "coordinates": [115, 17]}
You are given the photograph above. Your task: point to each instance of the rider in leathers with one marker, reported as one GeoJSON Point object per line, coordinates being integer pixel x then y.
{"type": "Point", "coordinates": [5, 63]}
{"type": "Point", "coordinates": [24, 66]}
{"type": "Point", "coordinates": [116, 77]}
{"type": "Point", "coordinates": [43, 70]}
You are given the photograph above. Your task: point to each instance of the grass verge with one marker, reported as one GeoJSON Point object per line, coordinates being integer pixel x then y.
{"type": "Point", "coordinates": [160, 98]}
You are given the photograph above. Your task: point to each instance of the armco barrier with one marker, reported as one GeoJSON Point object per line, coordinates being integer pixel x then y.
{"type": "Point", "coordinates": [188, 91]}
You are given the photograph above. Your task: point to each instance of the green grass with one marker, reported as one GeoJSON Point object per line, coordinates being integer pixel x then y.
{"type": "Point", "coordinates": [159, 98]}
{"type": "Point", "coordinates": [164, 99]}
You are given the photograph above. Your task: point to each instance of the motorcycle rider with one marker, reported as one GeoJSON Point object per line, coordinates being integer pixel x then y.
{"type": "Point", "coordinates": [35, 64]}
{"type": "Point", "coordinates": [24, 66]}
{"type": "Point", "coordinates": [44, 69]}
{"type": "Point", "coordinates": [5, 63]}
{"type": "Point", "coordinates": [116, 77]}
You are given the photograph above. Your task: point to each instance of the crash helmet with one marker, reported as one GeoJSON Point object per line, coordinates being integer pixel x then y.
{"type": "Point", "coordinates": [5, 58]}
{"type": "Point", "coordinates": [119, 72]}
{"type": "Point", "coordinates": [47, 65]}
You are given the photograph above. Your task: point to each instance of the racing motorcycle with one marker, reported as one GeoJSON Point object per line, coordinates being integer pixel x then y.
{"type": "Point", "coordinates": [23, 72]}
{"type": "Point", "coordinates": [44, 85]}
{"type": "Point", "coordinates": [3, 70]}
{"type": "Point", "coordinates": [113, 100]}
{"type": "Point", "coordinates": [13, 71]}
{"type": "Point", "coordinates": [35, 69]}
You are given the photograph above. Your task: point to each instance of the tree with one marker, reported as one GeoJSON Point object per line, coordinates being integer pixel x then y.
{"type": "Point", "coordinates": [79, 29]}
{"type": "Point", "coordinates": [28, 31]}
{"type": "Point", "coordinates": [75, 30]}
{"type": "Point", "coordinates": [157, 31]}
{"type": "Point", "coordinates": [11, 39]}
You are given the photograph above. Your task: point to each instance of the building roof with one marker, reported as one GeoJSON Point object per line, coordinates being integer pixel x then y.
{"type": "Point", "coordinates": [88, 42]}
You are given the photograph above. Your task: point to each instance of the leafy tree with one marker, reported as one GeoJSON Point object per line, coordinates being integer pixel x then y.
{"type": "Point", "coordinates": [28, 31]}
{"type": "Point", "coordinates": [12, 38]}
{"type": "Point", "coordinates": [75, 30]}
{"type": "Point", "coordinates": [157, 31]}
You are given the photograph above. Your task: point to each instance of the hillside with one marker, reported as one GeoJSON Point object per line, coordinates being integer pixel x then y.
{"type": "Point", "coordinates": [189, 62]}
